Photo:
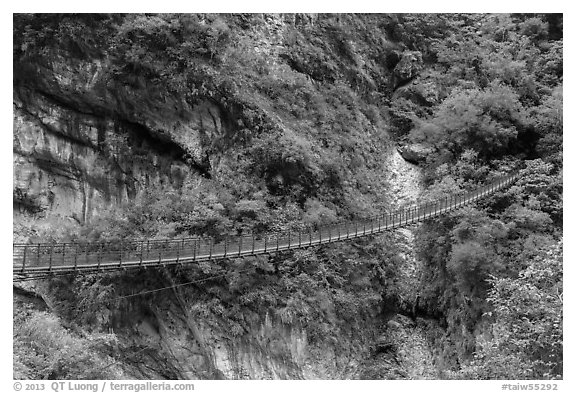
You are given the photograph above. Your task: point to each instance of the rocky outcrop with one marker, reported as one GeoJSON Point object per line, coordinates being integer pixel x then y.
{"type": "Point", "coordinates": [82, 143]}
{"type": "Point", "coordinates": [408, 67]}
{"type": "Point", "coordinates": [175, 349]}
{"type": "Point", "coordinates": [420, 92]}
{"type": "Point", "coordinates": [415, 153]}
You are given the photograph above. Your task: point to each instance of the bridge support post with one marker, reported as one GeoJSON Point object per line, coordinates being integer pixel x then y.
{"type": "Point", "coordinates": [75, 256]}
{"type": "Point", "coordinates": [51, 252]}
{"type": "Point", "coordinates": [99, 255]}
{"type": "Point", "coordinates": [24, 259]}
{"type": "Point", "coordinates": [120, 252]}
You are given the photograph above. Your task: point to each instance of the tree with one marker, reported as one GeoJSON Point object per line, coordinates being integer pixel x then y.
{"type": "Point", "coordinates": [485, 120]}
{"type": "Point", "coordinates": [526, 335]}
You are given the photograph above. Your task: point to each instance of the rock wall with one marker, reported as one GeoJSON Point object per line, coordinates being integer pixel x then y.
{"type": "Point", "coordinates": [79, 148]}
{"type": "Point", "coordinates": [169, 339]}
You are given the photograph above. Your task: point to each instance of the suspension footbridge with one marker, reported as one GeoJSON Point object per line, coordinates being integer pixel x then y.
{"type": "Point", "coordinates": [42, 260]}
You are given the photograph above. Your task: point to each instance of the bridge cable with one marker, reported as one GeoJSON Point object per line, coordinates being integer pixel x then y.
{"type": "Point", "coordinates": [171, 287]}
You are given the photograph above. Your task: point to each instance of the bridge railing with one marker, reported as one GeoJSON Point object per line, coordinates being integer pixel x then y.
{"type": "Point", "coordinates": [46, 257]}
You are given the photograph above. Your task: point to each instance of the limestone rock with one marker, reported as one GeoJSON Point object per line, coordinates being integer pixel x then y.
{"type": "Point", "coordinates": [83, 142]}
{"type": "Point", "coordinates": [408, 67]}
{"type": "Point", "coordinates": [416, 152]}
{"type": "Point", "coordinates": [424, 93]}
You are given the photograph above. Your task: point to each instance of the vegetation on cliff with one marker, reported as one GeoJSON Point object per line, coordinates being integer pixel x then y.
{"type": "Point", "coordinates": [310, 106]}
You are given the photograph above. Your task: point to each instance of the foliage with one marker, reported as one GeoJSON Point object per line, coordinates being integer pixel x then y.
{"type": "Point", "coordinates": [45, 349]}
{"type": "Point", "coordinates": [485, 120]}
{"type": "Point", "coordinates": [469, 255]}
{"type": "Point", "coordinates": [526, 335]}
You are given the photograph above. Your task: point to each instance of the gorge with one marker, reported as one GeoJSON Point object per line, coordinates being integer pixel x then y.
{"type": "Point", "coordinates": [157, 126]}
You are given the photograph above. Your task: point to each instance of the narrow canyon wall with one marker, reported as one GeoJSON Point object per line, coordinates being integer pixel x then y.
{"type": "Point", "coordinates": [79, 149]}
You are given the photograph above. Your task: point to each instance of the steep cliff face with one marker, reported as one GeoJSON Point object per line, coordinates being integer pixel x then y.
{"type": "Point", "coordinates": [78, 149]}
{"type": "Point", "coordinates": [83, 142]}
{"type": "Point", "coordinates": [172, 336]}
{"type": "Point", "coordinates": [179, 344]}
